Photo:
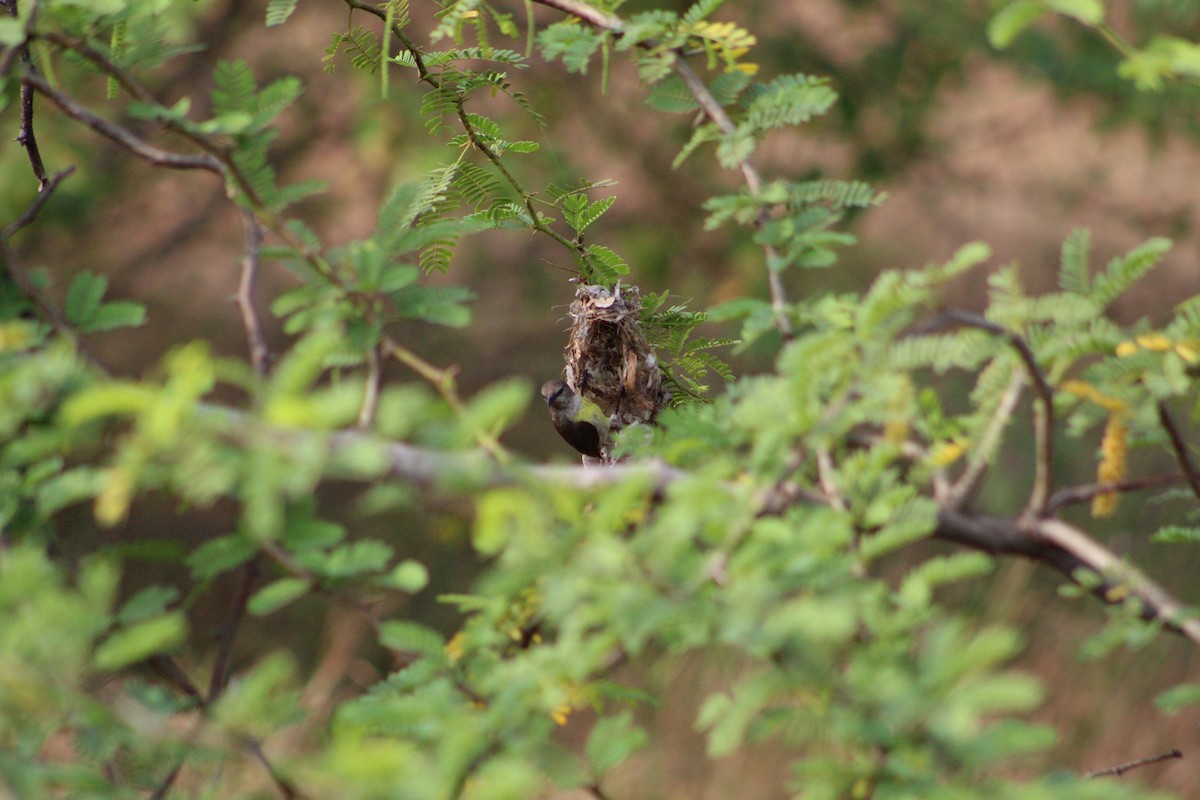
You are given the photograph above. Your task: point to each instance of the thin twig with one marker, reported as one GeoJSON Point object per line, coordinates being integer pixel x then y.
{"type": "Point", "coordinates": [251, 321]}
{"type": "Point", "coordinates": [48, 311]}
{"type": "Point", "coordinates": [370, 403]}
{"type": "Point", "coordinates": [237, 612]}
{"type": "Point", "coordinates": [1043, 420]}
{"type": "Point", "coordinates": [166, 668]}
{"type": "Point", "coordinates": [285, 786]}
{"type": "Point", "coordinates": [981, 454]}
{"type": "Point", "coordinates": [1141, 762]}
{"type": "Point", "coordinates": [26, 136]}
{"type": "Point", "coordinates": [122, 136]}
{"type": "Point", "coordinates": [1082, 494]}
{"type": "Point", "coordinates": [36, 206]}
{"type": "Point", "coordinates": [1180, 447]}
{"type": "Point", "coordinates": [829, 486]}
{"type": "Point", "coordinates": [713, 110]}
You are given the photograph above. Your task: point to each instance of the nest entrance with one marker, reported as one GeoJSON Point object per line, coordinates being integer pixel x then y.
{"type": "Point", "coordinates": [608, 359]}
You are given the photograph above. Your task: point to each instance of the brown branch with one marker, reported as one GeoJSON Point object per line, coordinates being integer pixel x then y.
{"type": "Point", "coordinates": [713, 110]}
{"type": "Point", "coordinates": [981, 455]}
{"type": "Point", "coordinates": [1082, 494]}
{"type": "Point", "coordinates": [370, 403]}
{"type": "Point", "coordinates": [48, 187]}
{"type": "Point", "coordinates": [251, 321]}
{"type": "Point", "coordinates": [122, 136]}
{"type": "Point", "coordinates": [26, 136]}
{"type": "Point", "coordinates": [1068, 550]}
{"type": "Point", "coordinates": [237, 612]}
{"type": "Point", "coordinates": [1043, 420]}
{"type": "Point", "coordinates": [1141, 762]}
{"type": "Point", "coordinates": [166, 668]}
{"type": "Point", "coordinates": [285, 786]}
{"type": "Point", "coordinates": [1180, 447]}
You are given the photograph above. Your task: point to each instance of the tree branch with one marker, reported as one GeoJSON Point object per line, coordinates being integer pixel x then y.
{"type": "Point", "coordinates": [981, 455]}
{"type": "Point", "coordinates": [251, 321]}
{"type": "Point", "coordinates": [36, 206]}
{"type": "Point", "coordinates": [237, 612]}
{"type": "Point", "coordinates": [122, 136]}
{"type": "Point", "coordinates": [1060, 546]}
{"type": "Point", "coordinates": [1043, 420]}
{"type": "Point", "coordinates": [1120, 770]}
{"type": "Point", "coordinates": [1182, 455]}
{"type": "Point", "coordinates": [1081, 494]}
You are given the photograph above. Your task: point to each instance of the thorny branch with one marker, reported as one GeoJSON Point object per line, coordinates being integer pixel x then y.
{"type": "Point", "coordinates": [251, 320]}
{"type": "Point", "coordinates": [1179, 446]}
{"type": "Point", "coordinates": [1121, 769]}
{"type": "Point", "coordinates": [119, 135]}
{"type": "Point", "coordinates": [983, 452]}
{"type": "Point", "coordinates": [1043, 421]}
{"type": "Point", "coordinates": [1057, 544]}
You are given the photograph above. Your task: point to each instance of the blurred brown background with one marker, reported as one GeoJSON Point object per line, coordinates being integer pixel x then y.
{"type": "Point", "coordinates": [1015, 149]}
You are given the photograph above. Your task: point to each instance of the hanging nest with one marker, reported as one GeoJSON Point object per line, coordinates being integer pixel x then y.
{"type": "Point", "coordinates": [608, 359]}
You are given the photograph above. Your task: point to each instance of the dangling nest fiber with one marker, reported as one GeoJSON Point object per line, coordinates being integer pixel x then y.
{"type": "Point", "coordinates": [608, 359]}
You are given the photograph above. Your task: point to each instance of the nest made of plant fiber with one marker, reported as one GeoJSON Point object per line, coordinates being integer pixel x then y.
{"type": "Point", "coordinates": [608, 359]}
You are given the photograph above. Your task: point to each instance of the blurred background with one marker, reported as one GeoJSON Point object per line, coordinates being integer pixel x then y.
{"type": "Point", "coordinates": [1015, 149]}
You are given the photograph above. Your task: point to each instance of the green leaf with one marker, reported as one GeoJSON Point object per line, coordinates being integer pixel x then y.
{"type": "Point", "coordinates": [1008, 23]}
{"type": "Point", "coordinates": [139, 642]}
{"type": "Point", "coordinates": [1175, 699]}
{"type": "Point", "coordinates": [276, 595]}
{"type": "Point", "coordinates": [497, 407]}
{"type": "Point", "coordinates": [278, 11]}
{"type": "Point", "coordinates": [1089, 12]}
{"type": "Point", "coordinates": [411, 637]}
{"type": "Point", "coordinates": [12, 32]}
{"type": "Point", "coordinates": [122, 314]}
{"type": "Point", "coordinates": [149, 602]}
{"type": "Point", "coordinates": [83, 297]}
{"type": "Point", "coordinates": [220, 555]}
{"type": "Point", "coordinates": [408, 576]}
{"type": "Point", "coordinates": [1176, 534]}
{"type": "Point", "coordinates": [612, 740]}
{"type": "Point", "coordinates": [671, 95]}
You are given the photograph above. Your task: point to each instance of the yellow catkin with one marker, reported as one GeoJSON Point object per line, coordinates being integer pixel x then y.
{"type": "Point", "coordinates": [1155, 342]}
{"type": "Point", "coordinates": [946, 453]}
{"type": "Point", "coordinates": [1126, 349]}
{"type": "Point", "coordinates": [112, 503]}
{"type": "Point", "coordinates": [1187, 351]}
{"type": "Point", "coordinates": [1114, 448]}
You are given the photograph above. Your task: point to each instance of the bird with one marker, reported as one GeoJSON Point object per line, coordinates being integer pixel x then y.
{"type": "Point", "coordinates": [578, 420]}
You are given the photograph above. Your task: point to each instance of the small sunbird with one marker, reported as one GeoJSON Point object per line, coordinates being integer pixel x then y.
{"type": "Point", "coordinates": [578, 420]}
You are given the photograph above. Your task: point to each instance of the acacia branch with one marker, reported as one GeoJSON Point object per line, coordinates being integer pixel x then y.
{"type": "Point", "coordinates": [39, 202]}
{"type": "Point", "coordinates": [1121, 769]}
{"type": "Point", "coordinates": [237, 612]}
{"type": "Point", "coordinates": [982, 454]}
{"type": "Point", "coordinates": [251, 320]}
{"type": "Point", "coordinates": [1060, 546]}
{"type": "Point", "coordinates": [1082, 494]}
{"type": "Point", "coordinates": [119, 135]}
{"type": "Point", "coordinates": [1043, 420]}
{"type": "Point", "coordinates": [1182, 455]}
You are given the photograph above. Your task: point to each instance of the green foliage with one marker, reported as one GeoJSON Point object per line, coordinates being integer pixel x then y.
{"type": "Point", "coordinates": [774, 539]}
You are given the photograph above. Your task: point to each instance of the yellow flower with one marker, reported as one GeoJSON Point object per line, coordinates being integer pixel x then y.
{"type": "Point", "coordinates": [946, 453]}
{"type": "Point", "coordinates": [1155, 342]}
{"type": "Point", "coordinates": [1114, 448]}
{"type": "Point", "coordinates": [1125, 349]}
